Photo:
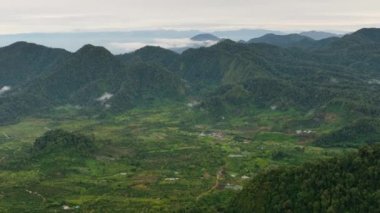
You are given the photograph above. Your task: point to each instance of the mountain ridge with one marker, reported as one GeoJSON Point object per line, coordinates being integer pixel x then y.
{"type": "Point", "coordinates": [84, 76]}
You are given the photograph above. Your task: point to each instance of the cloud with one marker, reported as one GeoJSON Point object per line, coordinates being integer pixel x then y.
{"type": "Point", "coordinates": [164, 43]}
{"type": "Point", "coordinates": [4, 89]}
{"type": "Point", "coordinates": [105, 97]}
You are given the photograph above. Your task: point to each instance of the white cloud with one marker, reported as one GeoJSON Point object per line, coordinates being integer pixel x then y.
{"type": "Point", "coordinates": [4, 89]}
{"type": "Point", "coordinates": [105, 97]}
{"type": "Point", "coordinates": [164, 43]}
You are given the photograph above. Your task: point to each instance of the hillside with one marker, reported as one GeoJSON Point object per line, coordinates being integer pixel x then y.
{"type": "Point", "coordinates": [336, 185]}
{"type": "Point", "coordinates": [355, 134]}
{"type": "Point", "coordinates": [83, 77]}
{"type": "Point", "coordinates": [306, 78]}
{"type": "Point", "coordinates": [22, 62]}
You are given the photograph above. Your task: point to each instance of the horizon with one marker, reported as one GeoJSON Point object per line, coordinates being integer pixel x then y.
{"type": "Point", "coordinates": [187, 30]}
{"type": "Point", "coordinates": [58, 16]}
{"type": "Point", "coordinates": [119, 42]}
{"type": "Point", "coordinates": [127, 25]}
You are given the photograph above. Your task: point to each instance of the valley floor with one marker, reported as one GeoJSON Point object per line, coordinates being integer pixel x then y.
{"type": "Point", "coordinates": [162, 158]}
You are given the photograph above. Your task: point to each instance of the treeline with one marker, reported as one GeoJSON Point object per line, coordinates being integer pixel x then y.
{"type": "Point", "coordinates": [344, 184]}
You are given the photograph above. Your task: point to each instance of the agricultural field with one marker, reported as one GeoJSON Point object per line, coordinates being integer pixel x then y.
{"type": "Point", "coordinates": [165, 157]}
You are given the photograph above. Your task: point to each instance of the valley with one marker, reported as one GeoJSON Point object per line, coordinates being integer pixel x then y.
{"type": "Point", "coordinates": [158, 131]}
{"type": "Point", "coordinates": [163, 157]}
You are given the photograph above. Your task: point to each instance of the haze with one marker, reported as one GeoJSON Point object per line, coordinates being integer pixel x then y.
{"type": "Point", "coordinates": [19, 16]}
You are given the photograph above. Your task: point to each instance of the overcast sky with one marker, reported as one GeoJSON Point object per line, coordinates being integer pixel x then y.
{"type": "Point", "coordinates": [20, 16]}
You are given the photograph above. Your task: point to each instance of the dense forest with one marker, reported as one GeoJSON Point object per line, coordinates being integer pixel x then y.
{"type": "Point", "coordinates": [343, 184]}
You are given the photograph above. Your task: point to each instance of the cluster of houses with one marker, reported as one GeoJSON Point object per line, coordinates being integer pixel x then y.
{"type": "Point", "coordinates": [304, 132]}
{"type": "Point", "coordinates": [66, 207]}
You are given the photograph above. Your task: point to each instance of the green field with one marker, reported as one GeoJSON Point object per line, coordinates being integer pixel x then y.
{"type": "Point", "coordinates": [169, 157]}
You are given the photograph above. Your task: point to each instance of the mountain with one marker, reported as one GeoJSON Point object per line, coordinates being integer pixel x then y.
{"type": "Point", "coordinates": [152, 54]}
{"type": "Point", "coordinates": [224, 76]}
{"type": "Point", "coordinates": [205, 37]}
{"type": "Point", "coordinates": [269, 82]}
{"type": "Point", "coordinates": [93, 71]}
{"type": "Point", "coordinates": [92, 76]}
{"type": "Point", "coordinates": [358, 50]}
{"type": "Point", "coordinates": [366, 36]}
{"type": "Point", "coordinates": [291, 40]}
{"type": "Point", "coordinates": [198, 41]}
{"type": "Point", "coordinates": [269, 75]}
{"type": "Point", "coordinates": [326, 186]}
{"type": "Point", "coordinates": [22, 62]}
{"type": "Point", "coordinates": [73, 41]}
{"type": "Point", "coordinates": [318, 35]}
{"type": "Point", "coordinates": [245, 34]}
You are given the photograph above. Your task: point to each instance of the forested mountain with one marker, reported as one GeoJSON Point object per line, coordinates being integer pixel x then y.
{"type": "Point", "coordinates": [227, 74]}
{"type": "Point", "coordinates": [92, 76]}
{"type": "Point", "coordinates": [151, 54]}
{"type": "Point", "coordinates": [21, 62]}
{"type": "Point", "coordinates": [343, 184]}
{"type": "Point", "coordinates": [291, 40]}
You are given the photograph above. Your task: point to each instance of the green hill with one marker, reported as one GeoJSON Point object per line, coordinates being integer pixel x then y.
{"type": "Point", "coordinates": [60, 141]}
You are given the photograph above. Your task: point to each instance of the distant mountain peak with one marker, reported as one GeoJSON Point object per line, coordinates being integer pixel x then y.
{"type": "Point", "coordinates": [368, 30]}
{"type": "Point", "coordinates": [24, 44]}
{"type": "Point", "coordinates": [318, 35]}
{"type": "Point", "coordinates": [369, 33]}
{"type": "Point", "coordinates": [293, 36]}
{"type": "Point", "coordinates": [90, 49]}
{"type": "Point", "coordinates": [289, 40]}
{"type": "Point", "coordinates": [150, 48]}
{"type": "Point", "coordinates": [205, 37]}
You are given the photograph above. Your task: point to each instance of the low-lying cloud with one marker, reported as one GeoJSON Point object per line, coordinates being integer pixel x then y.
{"type": "Point", "coordinates": [105, 97]}
{"type": "Point", "coordinates": [5, 89]}
{"type": "Point", "coordinates": [164, 43]}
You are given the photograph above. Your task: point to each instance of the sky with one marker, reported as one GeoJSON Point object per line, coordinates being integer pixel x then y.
{"type": "Point", "coordinates": [26, 16]}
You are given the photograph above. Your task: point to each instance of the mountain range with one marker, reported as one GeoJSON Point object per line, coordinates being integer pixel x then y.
{"type": "Point", "coordinates": [319, 35]}
{"type": "Point", "coordinates": [227, 75]}
{"type": "Point", "coordinates": [120, 42]}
